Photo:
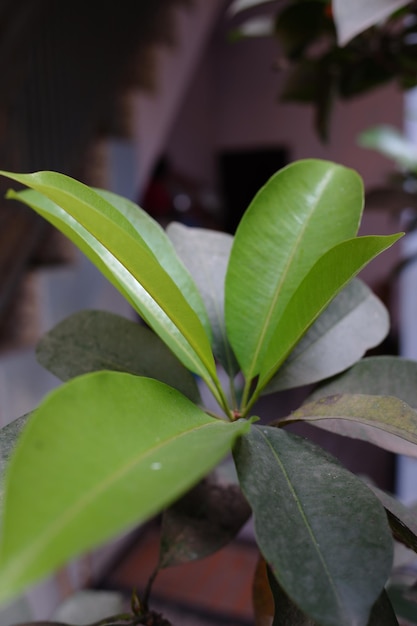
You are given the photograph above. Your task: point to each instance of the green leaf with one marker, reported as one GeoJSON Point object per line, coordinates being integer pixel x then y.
{"type": "Point", "coordinates": [328, 276]}
{"type": "Point", "coordinates": [299, 24]}
{"type": "Point", "coordinates": [101, 454]}
{"type": "Point", "coordinates": [355, 16]}
{"type": "Point", "coordinates": [201, 522]}
{"type": "Point", "coordinates": [322, 531]}
{"type": "Point", "coordinates": [338, 338]}
{"type": "Point", "coordinates": [8, 437]}
{"type": "Point", "coordinates": [159, 243]}
{"type": "Point", "coordinates": [286, 612]}
{"type": "Point", "coordinates": [206, 255]}
{"type": "Point", "coordinates": [382, 613]}
{"type": "Point", "coordinates": [391, 143]}
{"type": "Point", "coordinates": [114, 245]}
{"type": "Point", "coordinates": [384, 414]}
{"type": "Point", "coordinates": [302, 211]}
{"type": "Point", "coordinates": [90, 341]}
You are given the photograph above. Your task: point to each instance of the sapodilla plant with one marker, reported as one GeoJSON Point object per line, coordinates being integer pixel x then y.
{"type": "Point", "coordinates": [125, 437]}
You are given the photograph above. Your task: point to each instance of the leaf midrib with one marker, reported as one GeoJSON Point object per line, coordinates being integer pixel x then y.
{"type": "Point", "coordinates": [270, 311]}
{"type": "Point", "coordinates": [87, 499]}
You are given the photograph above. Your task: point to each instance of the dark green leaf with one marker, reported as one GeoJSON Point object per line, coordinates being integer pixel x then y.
{"type": "Point", "coordinates": [90, 341]}
{"type": "Point", "coordinates": [322, 531]}
{"type": "Point", "coordinates": [206, 254]}
{"type": "Point", "coordinates": [386, 421]}
{"type": "Point", "coordinates": [299, 24]}
{"type": "Point", "coordinates": [102, 453]}
{"type": "Point", "coordinates": [338, 338]}
{"type": "Point", "coordinates": [286, 612]}
{"type": "Point", "coordinates": [382, 613]}
{"type": "Point", "coordinates": [202, 521]}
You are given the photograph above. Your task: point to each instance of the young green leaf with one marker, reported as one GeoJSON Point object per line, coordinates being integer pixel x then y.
{"type": "Point", "coordinates": [327, 278]}
{"type": "Point", "coordinates": [108, 239]}
{"type": "Point", "coordinates": [206, 255]}
{"type": "Point", "coordinates": [152, 233]}
{"type": "Point", "coordinates": [338, 338]}
{"type": "Point", "coordinates": [302, 211]}
{"type": "Point", "coordinates": [353, 414]}
{"type": "Point", "coordinates": [90, 341]}
{"type": "Point", "coordinates": [101, 454]}
{"type": "Point", "coordinates": [322, 531]}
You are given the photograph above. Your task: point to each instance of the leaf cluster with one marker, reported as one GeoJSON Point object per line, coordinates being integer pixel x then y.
{"type": "Point", "coordinates": [126, 436]}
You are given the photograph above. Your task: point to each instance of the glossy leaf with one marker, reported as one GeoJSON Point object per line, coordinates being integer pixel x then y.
{"type": "Point", "coordinates": [327, 278]}
{"type": "Point", "coordinates": [159, 243]}
{"type": "Point", "coordinates": [201, 522]}
{"type": "Point", "coordinates": [206, 254]}
{"type": "Point", "coordinates": [355, 16]}
{"type": "Point", "coordinates": [101, 454]}
{"type": "Point", "coordinates": [385, 414]}
{"type": "Point", "coordinates": [302, 211]}
{"type": "Point", "coordinates": [322, 531]}
{"type": "Point", "coordinates": [8, 437]}
{"type": "Point", "coordinates": [90, 341]}
{"type": "Point", "coordinates": [355, 321]}
{"type": "Point", "coordinates": [108, 239]}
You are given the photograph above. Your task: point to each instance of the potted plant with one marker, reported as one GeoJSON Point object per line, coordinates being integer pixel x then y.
{"type": "Point", "coordinates": [276, 306]}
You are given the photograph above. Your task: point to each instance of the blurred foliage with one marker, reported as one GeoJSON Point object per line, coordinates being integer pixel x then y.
{"type": "Point", "coordinates": [319, 70]}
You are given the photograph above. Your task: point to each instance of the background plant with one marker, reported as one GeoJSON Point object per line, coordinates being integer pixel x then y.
{"type": "Point", "coordinates": [332, 50]}
{"type": "Point", "coordinates": [125, 436]}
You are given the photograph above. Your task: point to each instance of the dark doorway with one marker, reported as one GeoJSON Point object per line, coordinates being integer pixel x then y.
{"type": "Point", "coordinates": [242, 173]}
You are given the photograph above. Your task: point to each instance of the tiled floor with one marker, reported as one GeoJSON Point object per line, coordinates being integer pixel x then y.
{"type": "Point", "coordinates": [214, 591]}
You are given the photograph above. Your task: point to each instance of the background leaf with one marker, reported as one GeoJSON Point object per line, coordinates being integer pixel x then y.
{"type": "Point", "coordinates": [206, 254]}
{"type": "Point", "coordinates": [392, 143]}
{"type": "Point", "coordinates": [202, 521]}
{"type": "Point", "coordinates": [321, 530]}
{"type": "Point", "coordinates": [339, 337]}
{"type": "Point", "coordinates": [115, 247]}
{"type": "Point", "coordinates": [90, 341]}
{"type": "Point", "coordinates": [302, 211]}
{"type": "Point", "coordinates": [102, 453]}
{"type": "Point", "coordinates": [355, 16]}
{"type": "Point", "coordinates": [384, 414]}
{"type": "Point", "coordinates": [402, 519]}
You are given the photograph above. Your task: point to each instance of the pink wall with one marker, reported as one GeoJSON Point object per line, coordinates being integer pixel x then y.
{"type": "Point", "coordinates": [233, 102]}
